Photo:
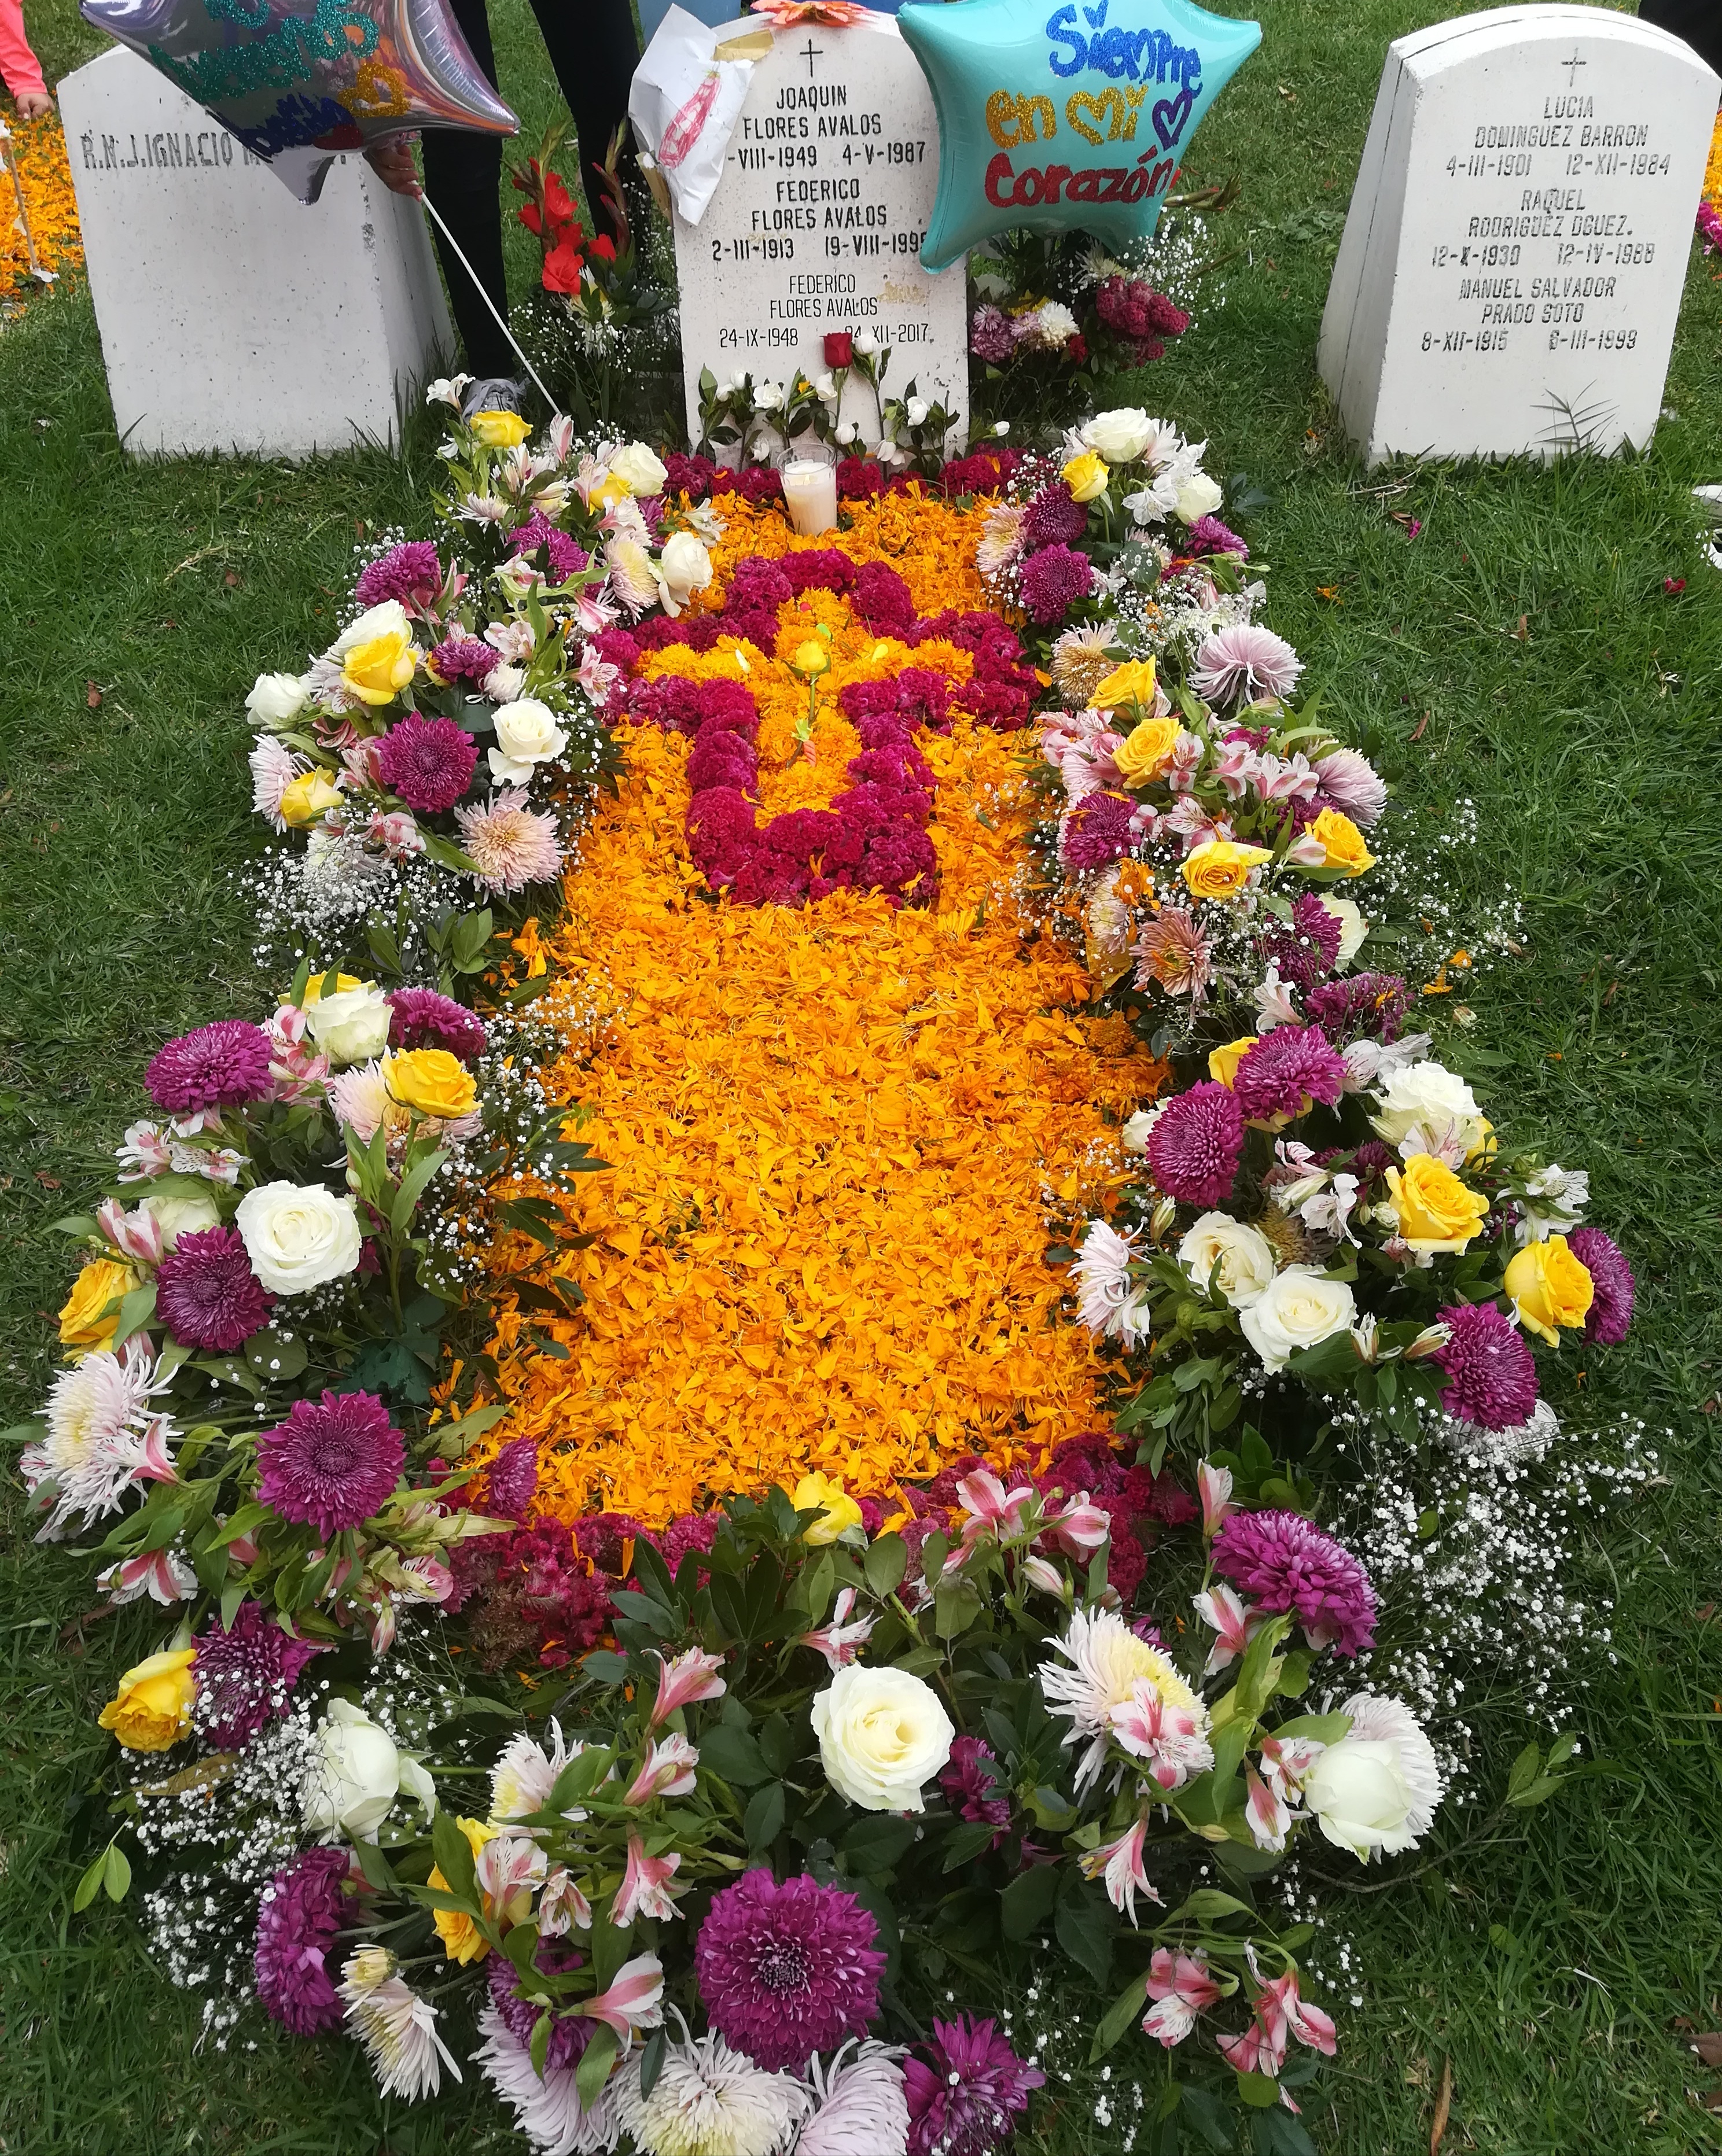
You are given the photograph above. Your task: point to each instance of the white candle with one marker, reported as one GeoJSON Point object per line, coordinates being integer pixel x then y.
{"type": "Point", "coordinates": [810, 495]}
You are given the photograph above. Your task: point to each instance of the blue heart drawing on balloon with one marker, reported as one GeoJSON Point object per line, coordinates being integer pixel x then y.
{"type": "Point", "coordinates": [1169, 114]}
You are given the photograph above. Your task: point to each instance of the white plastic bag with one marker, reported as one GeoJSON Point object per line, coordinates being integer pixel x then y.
{"type": "Point", "coordinates": [685, 105]}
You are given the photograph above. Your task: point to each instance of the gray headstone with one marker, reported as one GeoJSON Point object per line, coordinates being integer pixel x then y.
{"type": "Point", "coordinates": [1513, 262]}
{"type": "Point", "coordinates": [233, 318]}
{"type": "Point", "coordinates": [827, 190]}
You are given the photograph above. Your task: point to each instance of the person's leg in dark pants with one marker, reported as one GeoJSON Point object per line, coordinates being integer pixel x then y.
{"type": "Point", "coordinates": [594, 51]}
{"type": "Point", "coordinates": [1700, 21]}
{"type": "Point", "coordinates": [463, 175]}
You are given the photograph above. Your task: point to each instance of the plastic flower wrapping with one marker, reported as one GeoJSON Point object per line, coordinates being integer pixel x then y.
{"type": "Point", "coordinates": [676, 1648]}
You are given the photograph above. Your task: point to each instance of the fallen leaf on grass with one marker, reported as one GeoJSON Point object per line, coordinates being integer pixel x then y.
{"type": "Point", "coordinates": [92, 695]}
{"type": "Point", "coordinates": [1709, 2047]}
{"type": "Point", "coordinates": [1522, 631]}
{"type": "Point", "coordinates": [1443, 2107]}
{"type": "Point", "coordinates": [1421, 728]}
{"type": "Point", "coordinates": [47, 1181]}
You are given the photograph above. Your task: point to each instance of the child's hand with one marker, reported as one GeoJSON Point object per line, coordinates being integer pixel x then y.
{"type": "Point", "coordinates": [393, 164]}
{"type": "Point", "coordinates": [34, 104]}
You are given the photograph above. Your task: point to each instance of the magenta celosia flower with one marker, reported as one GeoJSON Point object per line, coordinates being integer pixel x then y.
{"type": "Point", "coordinates": [514, 1478]}
{"type": "Point", "coordinates": [966, 2090]}
{"type": "Point", "coordinates": [222, 1066]}
{"type": "Point", "coordinates": [787, 1970]}
{"type": "Point", "coordinates": [420, 1018]}
{"type": "Point", "coordinates": [1194, 1146]}
{"type": "Point", "coordinates": [970, 1789]}
{"type": "Point", "coordinates": [206, 1293]}
{"type": "Point", "coordinates": [1055, 517]}
{"type": "Point", "coordinates": [1288, 1565]}
{"type": "Point", "coordinates": [332, 1463]}
{"type": "Point", "coordinates": [410, 573]}
{"type": "Point", "coordinates": [1615, 1289]}
{"type": "Point", "coordinates": [428, 763]}
{"type": "Point", "coordinates": [466, 659]}
{"type": "Point", "coordinates": [245, 1676]}
{"type": "Point", "coordinates": [1053, 581]}
{"type": "Point", "coordinates": [512, 845]}
{"type": "Point", "coordinates": [1491, 1373]}
{"type": "Point", "coordinates": [1285, 1070]}
{"type": "Point", "coordinates": [1243, 662]}
{"type": "Point", "coordinates": [299, 1919]}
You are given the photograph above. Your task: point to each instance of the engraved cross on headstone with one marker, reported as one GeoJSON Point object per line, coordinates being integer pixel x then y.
{"type": "Point", "coordinates": [1572, 66]}
{"type": "Point", "coordinates": [811, 52]}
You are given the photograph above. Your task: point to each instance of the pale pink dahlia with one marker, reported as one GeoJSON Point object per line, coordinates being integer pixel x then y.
{"type": "Point", "coordinates": [273, 768]}
{"type": "Point", "coordinates": [788, 1970]}
{"type": "Point", "coordinates": [512, 845]}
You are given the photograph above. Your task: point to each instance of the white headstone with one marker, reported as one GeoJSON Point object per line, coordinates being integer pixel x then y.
{"type": "Point", "coordinates": [233, 318]}
{"type": "Point", "coordinates": [1513, 258]}
{"type": "Point", "coordinates": [816, 224]}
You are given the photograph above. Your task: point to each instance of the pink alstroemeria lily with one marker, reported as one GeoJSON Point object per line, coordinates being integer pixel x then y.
{"type": "Point", "coordinates": [562, 1907]}
{"type": "Point", "coordinates": [508, 1869]}
{"type": "Point", "coordinates": [1214, 1486]}
{"type": "Point", "coordinates": [160, 1574]}
{"type": "Point", "coordinates": [634, 2001]}
{"type": "Point", "coordinates": [840, 1641]}
{"type": "Point", "coordinates": [644, 1883]}
{"type": "Point", "coordinates": [685, 1681]}
{"type": "Point", "coordinates": [1079, 1529]}
{"type": "Point", "coordinates": [992, 1510]}
{"type": "Point", "coordinates": [1269, 1820]}
{"type": "Point", "coordinates": [1181, 1987]}
{"type": "Point", "coordinates": [1278, 2014]}
{"type": "Point", "coordinates": [668, 1770]}
{"type": "Point", "coordinates": [1285, 1761]}
{"type": "Point", "coordinates": [1166, 1739]}
{"type": "Point", "coordinates": [1234, 1623]}
{"type": "Point", "coordinates": [134, 1235]}
{"type": "Point", "coordinates": [1120, 1863]}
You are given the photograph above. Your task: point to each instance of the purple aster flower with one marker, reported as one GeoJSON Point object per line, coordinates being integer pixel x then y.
{"type": "Point", "coordinates": [1352, 783]}
{"type": "Point", "coordinates": [1287, 1564]}
{"type": "Point", "coordinates": [1372, 1004]}
{"type": "Point", "coordinates": [569, 2035]}
{"type": "Point", "coordinates": [514, 1478]}
{"type": "Point", "coordinates": [1193, 1147]}
{"type": "Point", "coordinates": [466, 659]}
{"type": "Point", "coordinates": [1055, 517]}
{"type": "Point", "coordinates": [1243, 662]}
{"type": "Point", "coordinates": [218, 1066]}
{"type": "Point", "coordinates": [1097, 831]}
{"type": "Point", "coordinates": [206, 1293]}
{"type": "Point", "coordinates": [410, 573]}
{"type": "Point", "coordinates": [332, 1463]}
{"type": "Point", "coordinates": [966, 2090]}
{"type": "Point", "coordinates": [1491, 1373]}
{"type": "Point", "coordinates": [1286, 1069]}
{"type": "Point", "coordinates": [788, 1970]}
{"type": "Point", "coordinates": [990, 335]}
{"type": "Point", "coordinates": [299, 1919]}
{"type": "Point", "coordinates": [1208, 536]}
{"type": "Point", "coordinates": [970, 1789]}
{"type": "Point", "coordinates": [428, 763]}
{"type": "Point", "coordinates": [1053, 581]}
{"type": "Point", "coordinates": [422, 1018]}
{"type": "Point", "coordinates": [245, 1676]}
{"type": "Point", "coordinates": [1616, 1291]}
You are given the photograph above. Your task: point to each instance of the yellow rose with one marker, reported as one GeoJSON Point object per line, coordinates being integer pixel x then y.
{"type": "Point", "coordinates": [377, 672]}
{"type": "Point", "coordinates": [1437, 1212]}
{"type": "Point", "coordinates": [153, 1708]}
{"type": "Point", "coordinates": [1086, 476]}
{"type": "Point", "coordinates": [840, 1511]}
{"type": "Point", "coordinates": [1552, 1288]}
{"type": "Point", "coordinates": [1146, 751]}
{"type": "Point", "coordinates": [1132, 683]}
{"type": "Point", "coordinates": [431, 1080]}
{"type": "Point", "coordinates": [1343, 841]}
{"type": "Point", "coordinates": [811, 658]}
{"type": "Point", "coordinates": [462, 1939]}
{"type": "Point", "coordinates": [1223, 1062]}
{"type": "Point", "coordinates": [82, 1325]}
{"type": "Point", "coordinates": [1221, 868]}
{"type": "Point", "coordinates": [613, 490]}
{"type": "Point", "coordinates": [499, 430]}
{"type": "Point", "coordinates": [336, 984]}
{"type": "Point", "coordinates": [306, 799]}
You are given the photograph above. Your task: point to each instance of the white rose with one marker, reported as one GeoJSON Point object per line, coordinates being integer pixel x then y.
{"type": "Point", "coordinates": [826, 388]}
{"type": "Point", "coordinates": [1120, 437]}
{"type": "Point", "coordinates": [1134, 1135]}
{"type": "Point", "coordinates": [883, 1736]}
{"type": "Point", "coordinates": [1198, 496]}
{"type": "Point", "coordinates": [1429, 1095]}
{"type": "Point", "coordinates": [685, 566]}
{"type": "Point", "coordinates": [388, 619]}
{"type": "Point", "coordinates": [276, 699]}
{"type": "Point", "coordinates": [846, 433]}
{"type": "Point", "coordinates": [1353, 929]}
{"type": "Point", "coordinates": [1377, 1788]}
{"type": "Point", "coordinates": [527, 735]}
{"type": "Point", "coordinates": [1297, 1309]}
{"type": "Point", "coordinates": [1242, 1254]}
{"type": "Point", "coordinates": [179, 1216]}
{"type": "Point", "coordinates": [639, 469]}
{"type": "Point", "coordinates": [355, 1775]}
{"type": "Point", "coordinates": [298, 1236]}
{"type": "Point", "coordinates": [916, 410]}
{"type": "Point", "coordinates": [352, 1025]}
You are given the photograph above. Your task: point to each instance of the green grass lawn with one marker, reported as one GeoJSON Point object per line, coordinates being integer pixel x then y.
{"type": "Point", "coordinates": [1521, 651]}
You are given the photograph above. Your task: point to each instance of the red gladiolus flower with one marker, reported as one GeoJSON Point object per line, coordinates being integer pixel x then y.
{"type": "Point", "coordinates": [563, 266]}
{"type": "Point", "coordinates": [529, 218]}
{"type": "Point", "coordinates": [558, 202]}
{"type": "Point", "coordinates": [839, 348]}
{"type": "Point", "coordinates": [604, 248]}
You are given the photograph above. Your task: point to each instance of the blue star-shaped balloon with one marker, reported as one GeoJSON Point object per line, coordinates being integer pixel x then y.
{"type": "Point", "coordinates": [299, 81]}
{"type": "Point", "coordinates": [1055, 115]}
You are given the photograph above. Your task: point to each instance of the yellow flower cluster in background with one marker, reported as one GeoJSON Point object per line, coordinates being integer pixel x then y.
{"type": "Point", "coordinates": [841, 1136]}
{"type": "Point", "coordinates": [1713, 169]}
{"type": "Point", "coordinates": [40, 149]}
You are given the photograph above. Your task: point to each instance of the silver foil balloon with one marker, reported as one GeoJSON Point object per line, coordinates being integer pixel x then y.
{"type": "Point", "coordinates": [299, 81]}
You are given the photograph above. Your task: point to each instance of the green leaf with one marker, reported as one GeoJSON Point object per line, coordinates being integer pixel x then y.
{"type": "Point", "coordinates": [539, 2048]}
{"type": "Point", "coordinates": [595, 2064]}
{"type": "Point", "coordinates": [117, 1873]}
{"type": "Point", "coordinates": [734, 1753]}
{"type": "Point", "coordinates": [885, 1564]}
{"type": "Point", "coordinates": [1027, 1901]}
{"type": "Point", "coordinates": [1258, 2090]}
{"type": "Point", "coordinates": [377, 1871]}
{"type": "Point", "coordinates": [1118, 2016]}
{"type": "Point", "coordinates": [274, 1358]}
{"type": "Point", "coordinates": [1207, 1905]}
{"type": "Point", "coordinates": [777, 1742]}
{"type": "Point", "coordinates": [652, 2064]}
{"type": "Point", "coordinates": [966, 1842]}
{"type": "Point", "coordinates": [1324, 1728]}
{"type": "Point", "coordinates": [136, 1309]}
{"type": "Point", "coordinates": [451, 1439]}
{"type": "Point", "coordinates": [1086, 1923]}
{"type": "Point", "coordinates": [453, 1857]}
{"type": "Point", "coordinates": [956, 1604]}
{"type": "Point", "coordinates": [764, 1820]}
{"type": "Point", "coordinates": [90, 1886]}
{"type": "Point", "coordinates": [413, 1183]}
{"type": "Point", "coordinates": [876, 1841]}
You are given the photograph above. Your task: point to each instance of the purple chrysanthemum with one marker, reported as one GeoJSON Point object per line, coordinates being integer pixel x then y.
{"type": "Point", "coordinates": [1307, 948]}
{"type": "Point", "coordinates": [420, 1018]}
{"type": "Point", "coordinates": [332, 1463]}
{"type": "Point", "coordinates": [1208, 536]}
{"type": "Point", "coordinates": [514, 1478]}
{"type": "Point", "coordinates": [1367, 1005]}
{"type": "Point", "coordinates": [1097, 830]}
{"type": "Point", "coordinates": [565, 556]}
{"type": "Point", "coordinates": [407, 572]}
{"type": "Point", "coordinates": [1055, 517]}
{"type": "Point", "coordinates": [428, 763]}
{"type": "Point", "coordinates": [245, 1676]}
{"type": "Point", "coordinates": [1053, 581]}
{"type": "Point", "coordinates": [222, 1066]}
{"type": "Point", "coordinates": [1285, 1070]}
{"type": "Point", "coordinates": [1288, 1565]}
{"type": "Point", "coordinates": [1242, 662]}
{"type": "Point", "coordinates": [569, 2034]}
{"type": "Point", "coordinates": [990, 335]}
{"type": "Point", "coordinates": [970, 1789]}
{"type": "Point", "coordinates": [1615, 1291]}
{"type": "Point", "coordinates": [299, 1920]}
{"type": "Point", "coordinates": [788, 1970]}
{"type": "Point", "coordinates": [466, 659]}
{"type": "Point", "coordinates": [1491, 1373]}
{"type": "Point", "coordinates": [1196, 1144]}
{"type": "Point", "coordinates": [206, 1293]}
{"type": "Point", "coordinates": [966, 2090]}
